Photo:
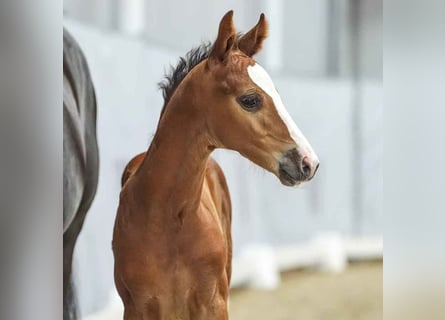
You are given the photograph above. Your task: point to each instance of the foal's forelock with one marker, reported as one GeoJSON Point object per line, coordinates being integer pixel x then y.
{"type": "Point", "coordinates": [262, 79]}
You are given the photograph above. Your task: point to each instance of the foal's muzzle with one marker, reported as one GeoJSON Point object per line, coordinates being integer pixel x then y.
{"type": "Point", "coordinates": [295, 167]}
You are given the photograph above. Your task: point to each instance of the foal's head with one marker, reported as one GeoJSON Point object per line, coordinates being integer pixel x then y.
{"type": "Point", "coordinates": [243, 110]}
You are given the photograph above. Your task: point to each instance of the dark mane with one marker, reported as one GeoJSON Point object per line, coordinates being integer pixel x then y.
{"type": "Point", "coordinates": [176, 74]}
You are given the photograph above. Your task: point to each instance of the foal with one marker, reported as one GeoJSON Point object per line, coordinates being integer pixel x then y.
{"type": "Point", "coordinates": [172, 239]}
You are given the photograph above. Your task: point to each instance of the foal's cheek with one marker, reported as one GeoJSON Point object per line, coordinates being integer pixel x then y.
{"type": "Point", "coordinates": [258, 126]}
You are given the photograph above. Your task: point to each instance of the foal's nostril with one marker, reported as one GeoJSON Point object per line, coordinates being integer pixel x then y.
{"type": "Point", "coordinates": [306, 167]}
{"type": "Point", "coordinates": [316, 168]}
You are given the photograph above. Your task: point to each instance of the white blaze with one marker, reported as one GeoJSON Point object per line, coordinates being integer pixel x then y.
{"type": "Point", "coordinates": [262, 79]}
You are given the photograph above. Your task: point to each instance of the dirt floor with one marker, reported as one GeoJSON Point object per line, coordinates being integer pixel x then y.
{"type": "Point", "coordinates": [309, 295]}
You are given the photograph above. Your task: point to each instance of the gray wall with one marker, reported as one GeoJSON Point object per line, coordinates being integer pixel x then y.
{"type": "Point", "coordinates": [310, 37]}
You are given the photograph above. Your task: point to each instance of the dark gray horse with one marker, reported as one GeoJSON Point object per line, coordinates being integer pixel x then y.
{"type": "Point", "coordinates": [80, 156]}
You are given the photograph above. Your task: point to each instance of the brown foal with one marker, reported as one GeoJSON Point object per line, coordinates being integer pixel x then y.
{"type": "Point", "coordinates": [172, 236]}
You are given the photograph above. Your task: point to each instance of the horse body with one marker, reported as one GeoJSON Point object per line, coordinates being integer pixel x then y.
{"type": "Point", "coordinates": [180, 260]}
{"type": "Point", "coordinates": [178, 264]}
{"type": "Point", "coordinates": [172, 236]}
{"type": "Point", "coordinates": [80, 155]}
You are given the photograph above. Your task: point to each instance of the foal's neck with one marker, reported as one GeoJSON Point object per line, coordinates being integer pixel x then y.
{"type": "Point", "coordinates": [174, 168]}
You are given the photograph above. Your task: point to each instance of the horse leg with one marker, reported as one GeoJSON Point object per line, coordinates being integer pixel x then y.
{"type": "Point", "coordinates": [218, 312]}
{"type": "Point", "coordinates": [69, 241]}
{"type": "Point", "coordinates": [215, 309]}
{"type": "Point", "coordinates": [69, 302]}
{"type": "Point", "coordinates": [131, 314]}
{"type": "Point", "coordinates": [221, 312]}
{"type": "Point", "coordinates": [151, 311]}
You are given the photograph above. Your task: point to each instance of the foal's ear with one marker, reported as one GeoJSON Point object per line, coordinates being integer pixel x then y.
{"type": "Point", "coordinates": [252, 41]}
{"type": "Point", "coordinates": [225, 40]}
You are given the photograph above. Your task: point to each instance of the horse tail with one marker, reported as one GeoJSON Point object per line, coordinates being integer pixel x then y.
{"type": "Point", "coordinates": [69, 303]}
{"type": "Point", "coordinates": [80, 164]}
{"type": "Point", "coordinates": [131, 167]}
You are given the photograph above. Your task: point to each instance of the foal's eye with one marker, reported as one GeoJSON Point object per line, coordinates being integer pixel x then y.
{"type": "Point", "coordinates": [250, 102]}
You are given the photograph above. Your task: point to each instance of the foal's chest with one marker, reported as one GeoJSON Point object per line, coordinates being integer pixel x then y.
{"type": "Point", "coordinates": [195, 276]}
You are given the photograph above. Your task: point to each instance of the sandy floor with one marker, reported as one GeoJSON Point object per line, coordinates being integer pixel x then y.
{"type": "Point", "coordinates": [353, 295]}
